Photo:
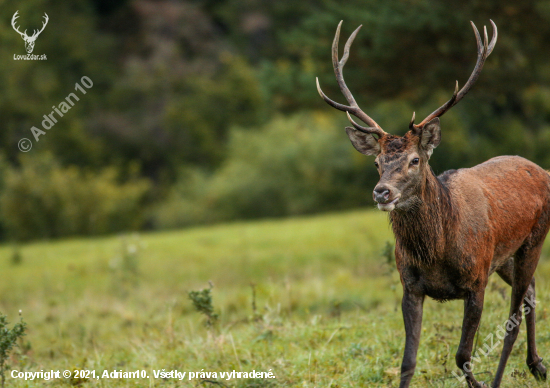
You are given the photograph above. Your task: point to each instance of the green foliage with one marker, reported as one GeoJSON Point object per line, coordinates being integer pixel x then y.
{"type": "Point", "coordinates": [41, 199]}
{"type": "Point", "coordinates": [202, 301]}
{"type": "Point", "coordinates": [192, 112]}
{"type": "Point", "coordinates": [8, 339]}
{"type": "Point", "coordinates": [302, 164]}
{"type": "Point", "coordinates": [204, 104]}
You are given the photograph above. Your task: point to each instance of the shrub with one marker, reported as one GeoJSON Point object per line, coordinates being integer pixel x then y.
{"type": "Point", "coordinates": [296, 165]}
{"type": "Point", "coordinates": [41, 199]}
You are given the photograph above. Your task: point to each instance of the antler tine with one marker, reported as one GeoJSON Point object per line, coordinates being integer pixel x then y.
{"type": "Point", "coordinates": [484, 49]}
{"type": "Point", "coordinates": [370, 130]}
{"type": "Point", "coordinates": [347, 47]}
{"type": "Point", "coordinates": [338, 65]}
{"type": "Point", "coordinates": [478, 38]}
{"type": "Point", "coordinates": [411, 124]}
{"type": "Point", "coordinates": [493, 38]}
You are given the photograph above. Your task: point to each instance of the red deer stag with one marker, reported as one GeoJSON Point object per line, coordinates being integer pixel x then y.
{"type": "Point", "coordinates": [454, 230]}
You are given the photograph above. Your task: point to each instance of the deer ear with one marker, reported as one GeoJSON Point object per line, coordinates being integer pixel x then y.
{"type": "Point", "coordinates": [365, 143]}
{"type": "Point", "coordinates": [430, 137]}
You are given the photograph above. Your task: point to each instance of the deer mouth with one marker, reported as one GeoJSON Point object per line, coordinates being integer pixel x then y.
{"type": "Point", "coordinates": [389, 206]}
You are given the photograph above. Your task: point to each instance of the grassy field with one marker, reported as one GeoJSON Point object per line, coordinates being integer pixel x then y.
{"type": "Point", "coordinates": [312, 299]}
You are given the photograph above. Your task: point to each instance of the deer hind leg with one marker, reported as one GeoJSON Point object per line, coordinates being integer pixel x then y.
{"type": "Point", "coordinates": [534, 361]}
{"type": "Point", "coordinates": [523, 285]}
{"type": "Point", "coordinates": [473, 307]}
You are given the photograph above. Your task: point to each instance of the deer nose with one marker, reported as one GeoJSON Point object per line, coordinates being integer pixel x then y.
{"type": "Point", "coordinates": [381, 194]}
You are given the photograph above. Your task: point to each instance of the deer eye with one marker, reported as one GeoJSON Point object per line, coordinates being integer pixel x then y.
{"type": "Point", "coordinates": [376, 164]}
{"type": "Point", "coordinates": [415, 162]}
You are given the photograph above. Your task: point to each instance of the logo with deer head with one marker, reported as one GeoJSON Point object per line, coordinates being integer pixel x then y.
{"type": "Point", "coordinates": [29, 40]}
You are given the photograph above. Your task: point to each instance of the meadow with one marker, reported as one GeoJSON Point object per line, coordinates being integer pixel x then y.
{"type": "Point", "coordinates": [315, 300]}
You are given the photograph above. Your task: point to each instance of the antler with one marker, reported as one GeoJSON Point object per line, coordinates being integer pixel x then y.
{"type": "Point", "coordinates": [353, 108]}
{"type": "Point", "coordinates": [15, 16]}
{"type": "Point", "coordinates": [483, 51]}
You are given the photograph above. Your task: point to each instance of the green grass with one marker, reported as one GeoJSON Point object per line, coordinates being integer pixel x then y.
{"type": "Point", "coordinates": [327, 307]}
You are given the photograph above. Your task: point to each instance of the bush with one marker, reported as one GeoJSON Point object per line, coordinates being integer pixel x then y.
{"type": "Point", "coordinates": [41, 199]}
{"type": "Point", "coordinates": [297, 165]}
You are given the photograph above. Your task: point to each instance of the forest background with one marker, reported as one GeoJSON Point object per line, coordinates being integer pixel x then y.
{"type": "Point", "coordinates": [206, 111]}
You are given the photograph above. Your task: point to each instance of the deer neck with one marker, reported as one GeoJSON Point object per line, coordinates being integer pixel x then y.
{"type": "Point", "coordinates": [422, 230]}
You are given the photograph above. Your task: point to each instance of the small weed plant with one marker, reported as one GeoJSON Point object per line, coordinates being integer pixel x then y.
{"type": "Point", "coordinates": [8, 340]}
{"type": "Point", "coordinates": [202, 301]}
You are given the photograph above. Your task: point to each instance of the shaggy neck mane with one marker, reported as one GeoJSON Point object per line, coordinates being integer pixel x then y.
{"type": "Point", "coordinates": [420, 230]}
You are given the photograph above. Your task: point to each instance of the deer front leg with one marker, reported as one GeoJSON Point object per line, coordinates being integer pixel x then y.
{"type": "Point", "coordinates": [473, 307]}
{"type": "Point", "coordinates": [412, 316]}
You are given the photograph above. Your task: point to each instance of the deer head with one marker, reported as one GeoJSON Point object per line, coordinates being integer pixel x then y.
{"type": "Point", "coordinates": [29, 40]}
{"type": "Point", "coordinates": [402, 161]}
